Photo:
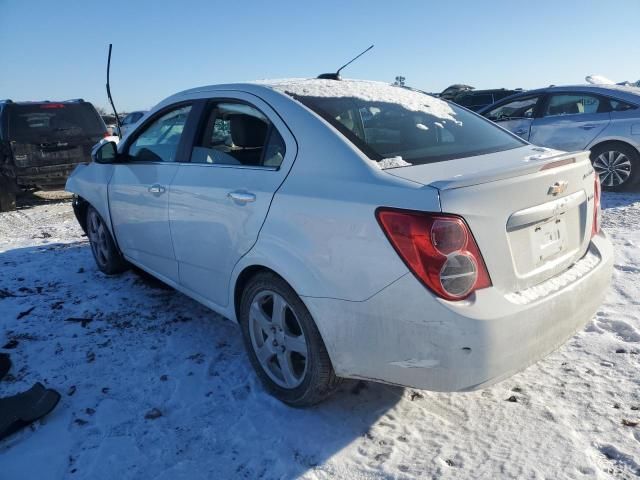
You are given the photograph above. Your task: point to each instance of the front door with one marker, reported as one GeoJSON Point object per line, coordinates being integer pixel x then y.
{"type": "Point", "coordinates": [139, 193]}
{"type": "Point", "coordinates": [516, 115]}
{"type": "Point", "coordinates": [570, 121]}
{"type": "Point", "coordinates": [220, 199]}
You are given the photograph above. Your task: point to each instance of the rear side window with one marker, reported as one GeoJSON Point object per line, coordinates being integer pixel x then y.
{"type": "Point", "coordinates": [481, 100]}
{"type": "Point", "coordinates": [502, 94]}
{"type": "Point", "coordinates": [409, 124]}
{"type": "Point", "coordinates": [159, 141]}
{"type": "Point", "coordinates": [41, 122]}
{"type": "Point", "coordinates": [238, 134]}
{"type": "Point", "coordinates": [620, 106]}
{"type": "Point", "coordinates": [574, 104]}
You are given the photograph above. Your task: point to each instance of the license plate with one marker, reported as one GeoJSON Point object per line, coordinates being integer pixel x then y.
{"type": "Point", "coordinates": [548, 239]}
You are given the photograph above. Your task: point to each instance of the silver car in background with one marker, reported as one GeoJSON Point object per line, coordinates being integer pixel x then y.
{"type": "Point", "coordinates": [602, 118]}
{"type": "Point", "coordinates": [130, 121]}
{"type": "Point", "coordinates": [354, 229]}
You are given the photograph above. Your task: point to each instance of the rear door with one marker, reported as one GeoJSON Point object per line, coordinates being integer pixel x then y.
{"type": "Point", "coordinates": [139, 191]}
{"type": "Point", "coordinates": [219, 200]}
{"type": "Point", "coordinates": [516, 115]}
{"type": "Point", "coordinates": [570, 121]}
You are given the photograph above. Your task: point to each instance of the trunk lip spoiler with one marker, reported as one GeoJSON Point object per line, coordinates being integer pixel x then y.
{"type": "Point", "coordinates": [528, 165]}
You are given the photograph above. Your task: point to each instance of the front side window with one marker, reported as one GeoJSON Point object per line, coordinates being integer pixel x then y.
{"type": "Point", "coordinates": [387, 122]}
{"type": "Point", "coordinates": [516, 109]}
{"type": "Point", "coordinates": [159, 141]}
{"type": "Point", "coordinates": [574, 104]}
{"type": "Point", "coordinates": [238, 134]}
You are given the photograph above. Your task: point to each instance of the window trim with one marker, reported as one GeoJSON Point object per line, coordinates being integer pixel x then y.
{"type": "Point", "coordinates": [206, 106]}
{"type": "Point", "coordinates": [125, 158]}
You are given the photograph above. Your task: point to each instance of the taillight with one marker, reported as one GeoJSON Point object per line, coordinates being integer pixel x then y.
{"type": "Point", "coordinates": [438, 249]}
{"type": "Point", "coordinates": [597, 210]}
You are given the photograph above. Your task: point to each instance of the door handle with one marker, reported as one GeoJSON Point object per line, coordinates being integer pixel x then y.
{"type": "Point", "coordinates": [242, 197]}
{"type": "Point", "coordinates": [587, 127]}
{"type": "Point", "coordinates": [157, 189]}
{"type": "Point", "coordinates": [522, 131]}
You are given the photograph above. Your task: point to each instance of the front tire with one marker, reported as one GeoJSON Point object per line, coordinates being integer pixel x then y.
{"type": "Point", "coordinates": [284, 344]}
{"type": "Point", "coordinates": [105, 252]}
{"type": "Point", "coordinates": [617, 164]}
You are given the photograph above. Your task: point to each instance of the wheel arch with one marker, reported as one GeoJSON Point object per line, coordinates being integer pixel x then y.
{"type": "Point", "coordinates": [243, 278]}
{"type": "Point", "coordinates": [612, 141]}
{"type": "Point", "coordinates": [80, 207]}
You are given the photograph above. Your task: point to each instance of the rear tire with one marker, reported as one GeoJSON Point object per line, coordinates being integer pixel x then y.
{"type": "Point", "coordinates": [617, 164]}
{"type": "Point", "coordinates": [8, 190]}
{"type": "Point", "coordinates": [285, 348]}
{"type": "Point", "coordinates": [105, 252]}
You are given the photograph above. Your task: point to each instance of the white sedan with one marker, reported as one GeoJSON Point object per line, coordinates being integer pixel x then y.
{"type": "Point", "coordinates": [354, 229]}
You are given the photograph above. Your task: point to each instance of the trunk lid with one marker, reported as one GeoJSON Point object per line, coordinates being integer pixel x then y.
{"type": "Point", "coordinates": [530, 209]}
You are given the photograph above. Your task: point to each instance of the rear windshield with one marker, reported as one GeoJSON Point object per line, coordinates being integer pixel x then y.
{"type": "Point", "coordinates": [43, 121]}
{"type": "Point", "coordinates": [388, 122]}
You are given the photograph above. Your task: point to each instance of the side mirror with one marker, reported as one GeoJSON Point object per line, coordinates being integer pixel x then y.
{"type": "Point", "coordinates": [105, 152]}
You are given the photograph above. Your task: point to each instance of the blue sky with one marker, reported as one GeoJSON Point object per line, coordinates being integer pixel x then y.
{"type": "Point", "coordinates": [57, 49]}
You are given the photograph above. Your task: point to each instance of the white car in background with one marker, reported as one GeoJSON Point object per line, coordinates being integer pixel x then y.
{"type": "Point", "coordinates": [354, 229]}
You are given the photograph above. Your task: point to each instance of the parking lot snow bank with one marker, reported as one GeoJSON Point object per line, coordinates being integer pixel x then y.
{"type": "Point", "coordinates": [156, 386]}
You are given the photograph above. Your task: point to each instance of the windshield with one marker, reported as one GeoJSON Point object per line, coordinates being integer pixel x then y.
{"type": "Point", "coordinates": [32, 123]}
{"type": "Point", "coordinates": [388, 122]}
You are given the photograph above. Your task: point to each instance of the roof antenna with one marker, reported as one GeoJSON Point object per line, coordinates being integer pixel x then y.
{"type": "Point", "coordinates": [109, 93]}
{"type": "Point", "coordinates": [336, 76]}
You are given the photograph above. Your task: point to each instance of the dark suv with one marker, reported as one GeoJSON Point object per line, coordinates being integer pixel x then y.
{"type": "Point", "coordinates": [477, 99]}
{"type": "Point", "coordinates": [42, 142]}
{"type": "Point", "coordinates": [473, 99]}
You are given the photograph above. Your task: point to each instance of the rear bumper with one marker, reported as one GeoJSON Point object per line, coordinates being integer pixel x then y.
{"type": "Point", "coordinates": [50, 176]}
{"type": "Point", "coordinates": [404, 335]}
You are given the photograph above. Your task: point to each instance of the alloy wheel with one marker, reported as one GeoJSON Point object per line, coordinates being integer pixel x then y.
{"type": "Point", "coordinates": [97, 232]}
{"type": "Point", "coordinates": [613, 167]}
{"type": "Point", "coordinates": [278, 340]}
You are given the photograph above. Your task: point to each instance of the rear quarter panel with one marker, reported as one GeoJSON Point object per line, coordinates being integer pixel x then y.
{"type": "Point", "coordinates": [624, 127]}
{"type": "Point", "coordinates": [321, 234]}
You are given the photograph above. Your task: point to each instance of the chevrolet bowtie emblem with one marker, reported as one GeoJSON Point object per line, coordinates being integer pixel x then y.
{"type": "Point", "coordinates": [558, 187]}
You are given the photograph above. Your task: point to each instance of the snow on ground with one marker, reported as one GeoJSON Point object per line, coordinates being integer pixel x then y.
{"type": "Point", "coordinates": [119, 347]}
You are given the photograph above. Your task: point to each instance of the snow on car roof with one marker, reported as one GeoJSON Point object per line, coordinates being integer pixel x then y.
{"type": "Point", "coordinates": [625, 89]}
{"type": "Point", "coordinates": [365, 90]}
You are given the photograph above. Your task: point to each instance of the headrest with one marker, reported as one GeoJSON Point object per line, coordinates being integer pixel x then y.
{"type": "Point", "coordinates": [247, 131]}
